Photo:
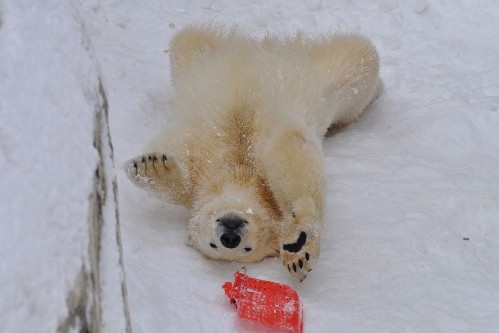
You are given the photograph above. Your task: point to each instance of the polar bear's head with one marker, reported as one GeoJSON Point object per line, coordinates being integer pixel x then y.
{"type": "Point", "coordinates": [234, 224]}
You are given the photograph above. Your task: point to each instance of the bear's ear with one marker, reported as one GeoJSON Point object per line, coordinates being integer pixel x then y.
{"type": "Point", "coordinates": [188, 45]}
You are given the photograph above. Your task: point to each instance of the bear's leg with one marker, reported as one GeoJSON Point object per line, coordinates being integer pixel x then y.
{"type": "Point", "coordinates": [189, 45]}
{"type": "Point", "coordinates": [159, 173]}
{"type": "Point", "coordinates": [348, 68]}
{"type": "Point", "coordinates": [294, 168]}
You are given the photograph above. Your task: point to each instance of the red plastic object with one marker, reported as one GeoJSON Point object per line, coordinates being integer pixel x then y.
{"type": "Point", "coordinates": [266, 302]}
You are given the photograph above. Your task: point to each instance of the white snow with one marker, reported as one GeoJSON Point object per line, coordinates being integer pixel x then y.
{"type": "Point", "coordinates": [290, 307]}
{"type": "Point", "coordinates": [47, 161]}
{"type": "Point", "coordinates": [407, 183]}
{"type": "Point", "coordinates": [49, 96]}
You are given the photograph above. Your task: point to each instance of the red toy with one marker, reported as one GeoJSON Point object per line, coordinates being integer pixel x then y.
{"type": "Point", "coordinates": [266, 302]}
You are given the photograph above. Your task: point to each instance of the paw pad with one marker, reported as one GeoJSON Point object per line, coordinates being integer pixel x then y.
{"type": "Point", "coordinates": [297, 257]}
{"type": "Point", "coordinates": [296, 247]}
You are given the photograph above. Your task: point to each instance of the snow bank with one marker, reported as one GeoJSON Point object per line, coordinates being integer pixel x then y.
{"type": "Point", "coordinates": [59, 243]}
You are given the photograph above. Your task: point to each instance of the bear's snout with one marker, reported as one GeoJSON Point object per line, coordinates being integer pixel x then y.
{"type": "Point", "coordinates": [231, 221]}
{"type": "Point", "coordinates": [232, 226]}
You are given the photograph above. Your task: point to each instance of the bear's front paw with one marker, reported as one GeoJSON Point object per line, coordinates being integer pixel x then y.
{"type": "Point", "coordinates": [300, 253]}
{"type": "Point", "coordinates": [151, 170]}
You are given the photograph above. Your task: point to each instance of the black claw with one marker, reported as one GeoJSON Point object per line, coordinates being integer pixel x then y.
{"type": "Point", "coordinates": [154, 158]}
{"type": "Point", "coordinates": [300, 263]}
{"type": "Point", "coordinates": [307, 256]}
{"type": "Point", "coordinates": [143, 160]}
{"type": "Point", "coordinates": [289, 269]}
{"type": "Point", "coordinates": [164, 158]}
{"type": "Point", "coordinates": [135, 165]}
{"type": "Point", "coordinates": [294, 267]}
{"type": "Point", "coordinates": [310, 270]}
{"type": "Point", "coordinates": [150, 158]}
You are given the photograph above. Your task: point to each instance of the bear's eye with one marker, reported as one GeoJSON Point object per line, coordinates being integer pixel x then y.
{"type": "Point", "coordinates": [247, 249]}
{"type": "Point", "coordinates": [213, 245]}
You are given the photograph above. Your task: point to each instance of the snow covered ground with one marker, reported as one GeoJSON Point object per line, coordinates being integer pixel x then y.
{"type": "Point", "coordinates": [59, 246]}
{"type": "Point", "coordinates": [411, 240]}
{"type": "Point", "coordinates": [47, 163]}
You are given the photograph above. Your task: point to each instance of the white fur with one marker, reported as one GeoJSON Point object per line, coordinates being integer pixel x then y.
{"type": "Point", "coordinates": [250, 118]}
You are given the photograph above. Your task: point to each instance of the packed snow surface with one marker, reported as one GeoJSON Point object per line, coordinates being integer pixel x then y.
{"type": "Point", "coordinates": [411, 239]}
{"type": "Point", "coordinates": [48, 96]}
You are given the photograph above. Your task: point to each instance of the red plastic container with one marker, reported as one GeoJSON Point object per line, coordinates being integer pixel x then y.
{"type": "Point", "coordinates": [266, 302]}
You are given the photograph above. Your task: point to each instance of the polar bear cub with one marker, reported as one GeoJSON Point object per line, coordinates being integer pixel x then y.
{"type": "Point", "coordinates": [244, 153]}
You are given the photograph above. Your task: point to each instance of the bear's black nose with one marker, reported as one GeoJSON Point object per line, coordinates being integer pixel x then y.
{"type": "Point", "coordinates": [232, 225]}
{"type": "Point", "coordinates": [230, 240]}
{"type": "Point", "coordinates": [231, 221]}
